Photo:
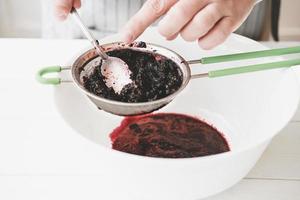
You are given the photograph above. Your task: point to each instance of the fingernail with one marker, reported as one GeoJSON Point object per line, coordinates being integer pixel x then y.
{"type": "Point", "coordinates": [173, 37]}
{"type": "Point", "coordinates": [204, 46]}
{"type": "Point", "coordinates": [62, 17]}
{"type": "Point", "coordinates": [126, 37]}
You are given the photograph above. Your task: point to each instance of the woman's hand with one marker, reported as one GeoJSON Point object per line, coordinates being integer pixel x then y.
{"type": "Point", "coordinates": [208, 21]}
{"type": "Point", "coordinates": [63, 7]}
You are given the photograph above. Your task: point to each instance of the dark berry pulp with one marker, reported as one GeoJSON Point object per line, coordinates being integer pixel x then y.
{"type": "Point", "coordinates": [168, 135]}
{"type": "Point", "coordinates": [154, 77]}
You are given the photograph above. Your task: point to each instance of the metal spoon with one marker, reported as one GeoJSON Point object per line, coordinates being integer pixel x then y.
{"type": "Point", "coordinates": [115, 70]}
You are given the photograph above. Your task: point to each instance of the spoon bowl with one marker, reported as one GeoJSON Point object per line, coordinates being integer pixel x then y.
{"type": "Point", "coordinates": [116, 73]}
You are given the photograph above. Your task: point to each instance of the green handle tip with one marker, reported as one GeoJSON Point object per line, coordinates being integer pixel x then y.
{"type": "Point", "coordinates": [48, 70]}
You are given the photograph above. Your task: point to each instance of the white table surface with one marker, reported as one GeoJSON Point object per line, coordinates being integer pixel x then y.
{"type": "Point", "coordinates": [42, 158]}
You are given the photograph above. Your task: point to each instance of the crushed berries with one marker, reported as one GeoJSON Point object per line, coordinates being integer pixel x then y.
{"type": "Point", "coordinates": [154, 77]}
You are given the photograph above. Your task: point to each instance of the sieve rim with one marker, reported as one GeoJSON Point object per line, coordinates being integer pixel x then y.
{"type": "Point", "coordinates": [107, 47]}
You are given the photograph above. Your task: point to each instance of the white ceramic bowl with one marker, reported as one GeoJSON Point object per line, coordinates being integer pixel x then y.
{"type": "Point", "coordinates": [249, 109]}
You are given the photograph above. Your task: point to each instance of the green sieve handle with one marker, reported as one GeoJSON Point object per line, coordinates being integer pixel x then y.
{"type": "Point", "coordinates": [248, 55]}
{"type": "Point", "coordinates": [48, 70]}
{"type": "Point", "coordinates": [253, 68]}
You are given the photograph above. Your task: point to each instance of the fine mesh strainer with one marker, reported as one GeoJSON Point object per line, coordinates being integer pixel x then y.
{"type": "Point", "coordinates": [84, 65]}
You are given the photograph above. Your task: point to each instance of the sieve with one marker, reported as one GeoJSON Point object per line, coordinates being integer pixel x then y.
{"type": "Point", "coordinates": [84, 65]}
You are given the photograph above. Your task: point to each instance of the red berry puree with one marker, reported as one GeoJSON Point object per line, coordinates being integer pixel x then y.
{"type": "Point", "coordinates": [168, 135]}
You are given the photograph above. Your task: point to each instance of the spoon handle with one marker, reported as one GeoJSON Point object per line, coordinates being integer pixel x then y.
{"type": "Point", "coordinates": [247, 55]}
{"type": "Point", "coordinates": [253, 68]}
{"type": "Point", "coordinates": [88, 34]}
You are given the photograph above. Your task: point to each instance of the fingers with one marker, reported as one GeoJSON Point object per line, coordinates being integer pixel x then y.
{"type": "Point", "coordinates": [218, 34]}
{"type": "Point", "coordinates": [149, 13]}
{"type": "Point", "coordinates": [63, 7]}
{"type": "Point", "coordinates": [179, 15]}
{"type": "Point", "coordinates": [202, 22]}
{"type": "Point", "coordinates": [208, 21]}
